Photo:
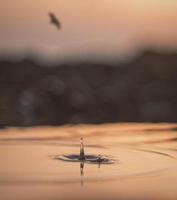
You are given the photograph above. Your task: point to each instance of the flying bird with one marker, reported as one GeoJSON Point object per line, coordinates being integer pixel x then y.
{"type": "Point", "coordinates": [54, 20]}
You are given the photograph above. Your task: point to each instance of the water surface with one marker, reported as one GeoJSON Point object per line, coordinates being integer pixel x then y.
{"type": "Point", "coordinates": [144, 167]}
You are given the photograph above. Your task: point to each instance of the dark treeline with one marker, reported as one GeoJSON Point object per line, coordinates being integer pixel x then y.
{"type": "Point", "coordinates": [143, 90]}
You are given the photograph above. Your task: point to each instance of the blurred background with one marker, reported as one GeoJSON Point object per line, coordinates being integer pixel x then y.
{"type": "Point", "coordinates": [112, 61]}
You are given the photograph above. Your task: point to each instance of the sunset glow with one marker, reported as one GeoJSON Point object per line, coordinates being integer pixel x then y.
{"type": "Point", "coordinates": [101, 27]}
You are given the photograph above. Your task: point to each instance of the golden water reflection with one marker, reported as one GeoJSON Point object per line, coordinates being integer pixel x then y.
{"type": "Point", "coordinates": [145, 167]}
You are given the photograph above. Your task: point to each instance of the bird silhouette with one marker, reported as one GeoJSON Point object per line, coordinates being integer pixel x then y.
{"type": "Point", "coordinates": [54, 20]}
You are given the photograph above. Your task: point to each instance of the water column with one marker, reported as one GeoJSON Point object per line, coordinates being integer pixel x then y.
{"type": "Point", "coordinates": [82, 154]}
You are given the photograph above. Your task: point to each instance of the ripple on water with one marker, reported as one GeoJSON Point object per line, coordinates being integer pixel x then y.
{"type": "Point", "coordinates": [92, 159]}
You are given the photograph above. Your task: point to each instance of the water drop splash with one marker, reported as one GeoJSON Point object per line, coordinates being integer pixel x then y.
{"type": "Point", "coordinates": [87, 158]}
{"type": "Point", "coordinates": [82, 154]}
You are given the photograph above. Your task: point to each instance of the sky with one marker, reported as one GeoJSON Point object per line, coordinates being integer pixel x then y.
{"type": "Point", "coordinates": [104, 29]}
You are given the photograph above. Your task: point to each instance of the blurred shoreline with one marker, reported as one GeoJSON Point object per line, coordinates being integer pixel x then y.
{"type": "Point", "coordinates": [141, 90]}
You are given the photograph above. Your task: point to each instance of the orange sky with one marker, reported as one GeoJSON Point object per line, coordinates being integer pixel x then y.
{"type": "Point", "coordinates": [90, 27]}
